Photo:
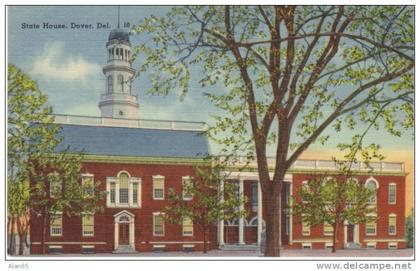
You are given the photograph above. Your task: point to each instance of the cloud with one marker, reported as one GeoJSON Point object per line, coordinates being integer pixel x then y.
{"type": "Point", "coordinates": [54, 63]}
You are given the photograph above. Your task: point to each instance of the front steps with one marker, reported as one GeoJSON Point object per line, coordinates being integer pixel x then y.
{"type": "Point", "coordinates": [124, 249]}
{"type": "Point", "coordinates": [237, 247]}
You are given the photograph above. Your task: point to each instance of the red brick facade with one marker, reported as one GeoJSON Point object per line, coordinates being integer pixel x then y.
{"type": "Point", "coordinates": [382, 239]}
{"type": "Point", "coordinates": [103, 238]}
{"type": "Point", "coordinates": [72, 240]}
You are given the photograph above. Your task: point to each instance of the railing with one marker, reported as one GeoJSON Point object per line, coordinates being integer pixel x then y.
{"type": "Point", "coordinates": [132, 123]}
{"type": "Point", "coordinates": [118, 96]}
{"type": "Point", "coordinates": [311, 164]}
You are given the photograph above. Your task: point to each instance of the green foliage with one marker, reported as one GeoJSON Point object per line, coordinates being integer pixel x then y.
{"type": "Point", "coordinates": [32, 162]}
{"type": "Point", "coordinates": [281, 75]}
{"type": "Point", "coordinates": [409, 230]}
{"type": "Point", "coordinates": [209, 204]}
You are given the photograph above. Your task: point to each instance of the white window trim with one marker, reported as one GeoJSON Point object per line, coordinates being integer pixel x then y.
{"type": "Point", "coordinates": [93, 182]}
{"type": "Point", "coordinates": [395, 216]}
{"type": "Point", "coordinates": [328, 245]}
{"type": "Point", "coordinates": [306, 245]}
{"type": "Point", "coordinates": [371, 245]}
{"type": "Point", "coordinates": [395, 196]}
{"type": "Point", "coordinates": [61, 228]}
{"type": "Point", "coordinates": [326, 233]}
{"type": "Point", "coordinates": [192, 229]}
{"type": "Point", "coordinates": [131, 182]}
{"type": "Point", "coordinates": [51, 186]}
{"type": "Point", "coordinates": [153, 187]}
{"type": "Point", "coordinates": [377, 188]}
{"type": "Point", "coordinates": [393, 245]}
{"type": "Point", "coordinates": [376, 228]}
{"type": "Point", "coordinates": [93, 225]}
{"type": "Point", "coordinates": [309, 231]}
{"type": "Point", "coordinates": [163, 226]}
{"type": "Point", "coordinates": [304, 183]}
{"type": "Point", "coordinates": [184, 179]}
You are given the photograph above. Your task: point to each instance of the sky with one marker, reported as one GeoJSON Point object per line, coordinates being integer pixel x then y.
{"type": "Point", "coordinates": [67, 64]}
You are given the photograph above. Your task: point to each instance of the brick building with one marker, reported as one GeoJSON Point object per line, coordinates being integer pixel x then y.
{"type": "Point", "coordinates": [136, 162]}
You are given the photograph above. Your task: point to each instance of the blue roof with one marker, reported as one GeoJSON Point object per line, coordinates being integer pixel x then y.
{"type": "Point", "coordinates": [140, 142]}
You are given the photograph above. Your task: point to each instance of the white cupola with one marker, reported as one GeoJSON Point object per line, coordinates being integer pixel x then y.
{"type": "Point", "coordinates": [118, 100]}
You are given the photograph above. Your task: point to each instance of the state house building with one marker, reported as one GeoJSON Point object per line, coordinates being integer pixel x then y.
{"type": "Point", "coordinates": [137, 161]}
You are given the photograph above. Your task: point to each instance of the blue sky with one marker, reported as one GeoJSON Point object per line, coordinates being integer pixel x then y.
{"type": "Point", "coordinates": [67, 64]}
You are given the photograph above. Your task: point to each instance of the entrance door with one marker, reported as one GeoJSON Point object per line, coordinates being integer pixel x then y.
{"type": "Point", "coordinates": [124, 233]}
{"type": "Point", "coordinates": [350, 233]}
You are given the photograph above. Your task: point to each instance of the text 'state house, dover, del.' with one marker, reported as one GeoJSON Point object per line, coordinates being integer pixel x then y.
{"type": "Point", "coordinates": [137, 161]}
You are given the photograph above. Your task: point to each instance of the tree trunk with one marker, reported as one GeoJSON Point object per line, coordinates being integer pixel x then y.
{"type": "Point", "coordinates": [333, 250]}
{"type": "Point", "coordinates": [204, 240]}
{"type": "Point", "coordinates": [271, 211]}
{"type": "Point", "coordinates": [22, 231]}
{"type": "Point", "coordinates": [10, 247]}
{"type": "Point", "coordinates": [44, 232]}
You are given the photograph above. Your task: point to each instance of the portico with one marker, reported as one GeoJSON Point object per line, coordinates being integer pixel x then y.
{"type": "Point", "coordinates": [242, 228]}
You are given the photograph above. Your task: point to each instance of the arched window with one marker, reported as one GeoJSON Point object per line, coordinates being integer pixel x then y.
{"type": "Point", "coordinates": [124, 219]}
{"type": "Point", "coordinates": [372, 185]}
{"type": "Point", "coordinates": [110, 84]}
{"type": "Point", "coordinates": [121, 83]}
{"type": "Point", "coordinates": [123, 182]}
{"type": "Point", "coordinates": [123, 190]}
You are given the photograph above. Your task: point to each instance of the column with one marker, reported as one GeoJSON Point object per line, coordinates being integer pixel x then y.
{"type": "Point", "coordinates": [221, 222]}
{"type": "Point", "coordinates": [115, 235]}
{"type": "Point", "coordinates": [132, 233]}
{"type": "Point", "coordinates": [241, 209]}
{"type": "Point", "coordinates": [259, 213]}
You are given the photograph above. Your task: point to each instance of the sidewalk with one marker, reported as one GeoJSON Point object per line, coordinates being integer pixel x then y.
{"type": "Point", "coordinates": [252, 254]}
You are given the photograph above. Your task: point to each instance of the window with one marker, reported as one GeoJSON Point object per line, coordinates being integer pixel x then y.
{"type": "Point", "coordinates": [87, 225]}
{"type": "Point", "coordinates": [55, 249]}
{"type": "Point", "coordinates": [112, 193]}
{"type": "Point", "coordinates": [158, 187]}
{"type": "Point", "coordinates": [306, 229]}
{"type": "Point", "coordinates": [254, 196]}
{"type": "Point", "coordinates": [88, 185]}
{"type": "Point", "coordinates": [392, 224]}
{"type": "Point", "coordinates": [56, 224]}
{"type": "Point", "coordinates": [121, 83]}
{"type": "Point", "coordinates": [370, 245]}
{"type": "Point", "coordinates": [328, 229]}
{"type": "Point", "coordinates": [371, 226]}
{"type": "Point", "coordinates": [392, 193]}
{"type": "Point", "coordinates": [110, 84]}
{"type": "Point", "coordinates": [306, 245]}
{"type": "Point", "coordinates": [135, 193]}
{"type": "Point", "coordinates": [305, 187]}
{"type": "Point", "coordinates": [55, 185]}
{"type": "Point", "coordinates": [158, 224]}
{"type": "Point", "coordinates": [372, 185]}
{"type": "Point", "coordinates": [123, 191]}
{"type": "Point", "coordinates": [392, 245]}
{"type": "Point", "coordinates": [186, 188]}
{"type": "Point", "coordinates": [187, 227]}
{"type": "Point", "coordinates": [123, 182]}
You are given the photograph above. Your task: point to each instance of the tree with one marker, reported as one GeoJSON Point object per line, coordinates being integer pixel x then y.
{"type": "Point", "coordinates": [292, 74]}
{"type": "Point", "coordinates": [332, 200]}
{"type": "Point", "coordinates": [409, 229]}
{"type": "Point", "coordinates": [34, 165]}
{"type": "Point", "coordinates": [208, 203]}
{"type": "Point", "coordinates": [25, 141]}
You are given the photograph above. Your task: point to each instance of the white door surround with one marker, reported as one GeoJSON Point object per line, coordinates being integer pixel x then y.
{"type": "Point", "coordinates": [124, 217]}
